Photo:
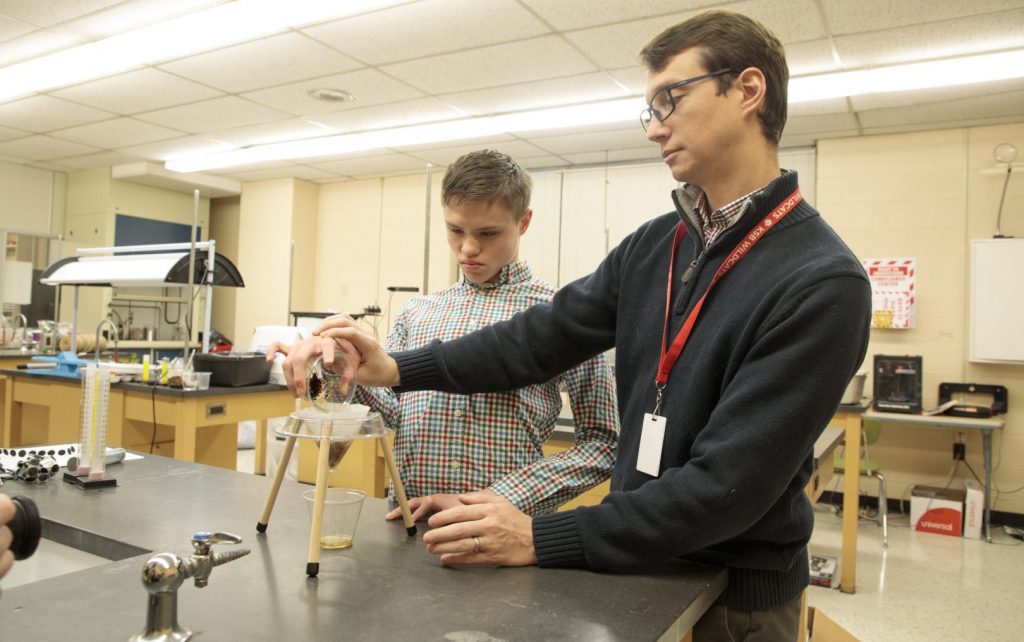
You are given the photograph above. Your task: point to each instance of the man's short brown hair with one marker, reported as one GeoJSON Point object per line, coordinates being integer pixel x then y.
{"type": "Point", "coordinates": [727, 40]}
{"type": "Point", "coordinates": [487, 176]}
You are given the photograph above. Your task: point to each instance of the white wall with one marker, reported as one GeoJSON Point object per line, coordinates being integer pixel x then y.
{"type": "Point", "coordinates": [925, 195]}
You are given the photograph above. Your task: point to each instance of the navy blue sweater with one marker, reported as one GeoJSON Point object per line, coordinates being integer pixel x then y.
{"type": "Point", "coordinates": [767, 362]}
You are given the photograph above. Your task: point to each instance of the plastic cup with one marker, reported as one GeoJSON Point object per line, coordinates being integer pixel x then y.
{"type": "Point", "coordinates": [191, 380]}
{"type": "Point", "coordinates": [341, 515]}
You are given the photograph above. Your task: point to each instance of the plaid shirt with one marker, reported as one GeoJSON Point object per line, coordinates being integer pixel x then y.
{"type": "Point", "coordinates": [447, 443]}
{"type": "Point", "coordinates": [714, 223]}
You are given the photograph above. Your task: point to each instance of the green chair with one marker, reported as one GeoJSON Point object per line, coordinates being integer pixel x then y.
{"type": "Point", "coordinates": [871, 431]}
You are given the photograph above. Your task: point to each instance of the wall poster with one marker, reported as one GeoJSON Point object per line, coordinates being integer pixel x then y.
{"type": "Point", "coordinates": [892, 292]}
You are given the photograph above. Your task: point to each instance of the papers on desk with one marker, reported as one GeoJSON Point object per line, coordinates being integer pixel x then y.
{"type": "Point", "coordinates": [940, 409]}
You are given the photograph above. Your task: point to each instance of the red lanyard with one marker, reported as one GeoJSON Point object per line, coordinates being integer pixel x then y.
{"type": "Point", "coordinates": [669, 358]}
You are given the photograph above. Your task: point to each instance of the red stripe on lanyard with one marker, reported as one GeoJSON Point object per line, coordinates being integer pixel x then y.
{"type": "Point", "coordinates": [669, 358]}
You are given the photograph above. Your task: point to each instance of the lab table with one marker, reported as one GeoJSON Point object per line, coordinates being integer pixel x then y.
{"type": "Point", "coordinates": [385, 587]}
{"type": "Point", "coordinates": [987, 426]}
{"type": "Point", "coordinates": [190, 425]}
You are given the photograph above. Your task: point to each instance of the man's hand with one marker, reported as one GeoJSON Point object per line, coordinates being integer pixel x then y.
{"type": "Point", "coordinates": [423, 506]}
{"type": "Point", "coordinates": [338, 333]}
{"type": "Point", "coordinates": [488, 529]}
{"type": "Point", "coordinates": [7, 509]}
{"type": "Point", "coordinates": [375, 367]}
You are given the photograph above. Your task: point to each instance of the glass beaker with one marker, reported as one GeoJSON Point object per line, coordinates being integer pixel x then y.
{"type": "Point", "coordinates": [330, 387]}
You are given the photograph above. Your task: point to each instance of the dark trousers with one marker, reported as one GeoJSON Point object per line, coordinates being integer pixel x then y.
{"type": "Point", "coordinates": [729, 624]}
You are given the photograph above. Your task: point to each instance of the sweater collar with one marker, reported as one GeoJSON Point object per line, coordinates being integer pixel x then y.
{"type": "Point", "coordinates": [685, 197]}
{"type": "Point", "coordinates": [513, 272]}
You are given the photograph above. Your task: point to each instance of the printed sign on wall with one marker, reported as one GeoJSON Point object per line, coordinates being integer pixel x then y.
{"type": "Point", "coordinates": [892, 292]}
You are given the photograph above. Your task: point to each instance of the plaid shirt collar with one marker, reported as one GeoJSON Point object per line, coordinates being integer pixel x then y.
{"type": "Point", "coordinates": [513, 272]}
{"type": "Point", "coordinates": [718, 221]}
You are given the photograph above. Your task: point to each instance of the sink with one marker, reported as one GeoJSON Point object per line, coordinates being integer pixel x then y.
{"type": "Point", "coordinates": [51, 559]}
{"type": "Point", "coordinates": [65, 549]}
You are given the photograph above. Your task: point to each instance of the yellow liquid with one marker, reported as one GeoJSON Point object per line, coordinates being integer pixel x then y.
{"type": "Point", "coordinates": [335, 542]}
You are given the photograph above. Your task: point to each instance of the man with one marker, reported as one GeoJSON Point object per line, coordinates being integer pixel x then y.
{"type": "Point", "coordinates": [446, 445]}
{"type": "Point", "coordinates": [738, 320]}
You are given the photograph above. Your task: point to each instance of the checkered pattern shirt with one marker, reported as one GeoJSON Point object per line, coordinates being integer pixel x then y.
{"type": "Point", "coordinates": [714, 223]}
{"type": "Point", "coordinates": [448, 443]}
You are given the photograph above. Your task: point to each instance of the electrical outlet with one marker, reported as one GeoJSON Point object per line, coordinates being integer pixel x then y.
{"type": "Point", "coordinates": [959, 451]}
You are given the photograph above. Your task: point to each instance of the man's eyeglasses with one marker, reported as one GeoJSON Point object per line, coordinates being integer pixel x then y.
{"type": "Point", "coordinates": [664, 103]}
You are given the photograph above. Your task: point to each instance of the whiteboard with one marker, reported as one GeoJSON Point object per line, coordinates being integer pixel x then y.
{"type": "Point", "coordinates": [997, 301]}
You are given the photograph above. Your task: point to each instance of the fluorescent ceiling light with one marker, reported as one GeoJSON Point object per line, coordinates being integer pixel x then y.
{"type": "Point", "coordinates": [609, 111]}
{"type": "Point", "coordinates": [220, 26]}
{"type": "Point", "coordinates": [919, 75]}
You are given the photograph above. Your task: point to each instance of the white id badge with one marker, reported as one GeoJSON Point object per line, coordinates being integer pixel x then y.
{"type": "Point", "coordinates": [648, 460]}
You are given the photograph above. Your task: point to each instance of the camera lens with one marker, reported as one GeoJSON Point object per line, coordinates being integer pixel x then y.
{"type": "Point", "coordinates": [26, 526]}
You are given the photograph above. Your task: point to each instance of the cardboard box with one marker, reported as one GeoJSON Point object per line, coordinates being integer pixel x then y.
{"type": "Point", "coordinates": [974, 509]}
{"type": "Point", "coordinates": [823, 570]}
{"type": "Point", "coordinates": [937, 510]}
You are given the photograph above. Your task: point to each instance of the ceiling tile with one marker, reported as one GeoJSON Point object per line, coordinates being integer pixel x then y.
{"type": "Point", "coordinates": [428, 28]}
{"type": "Point", "coordinates": [137, 91]}
{"type": "Point", "coordinates": [514, 62]}
{"type": "Point", "coordinates": [101, 159]}
{"type": "Point", "coordinates": [31, 45]}
{"type": "Point", "coordinates": [791, 21]}
{"type": "Point", "coordinates": [933, 40]}
{"type": "Point", "coordinates": [618, 45]}
{"type": "Point", "coordinates": [940, 94]}
{"type": "Point", "coordinates": [370, 166]}
{"type": "Point", "coordinates": [566, 15]}
{"type": "Point", "coordinates": [790, 141]}
{"type": "Point", "coordinates": [810, 57]}
{"type": "Point", "coordinates": [294, 170]}
{"type": "Point", "coordinates": [273, 132]}
{"type": "Point", "coordinates": [816, 107]}
{"type": "Point", "coordinates": [166, 150]}
{"type": "Point", "coordinates": [444, 156]}
{"type": "Point", "coordinates": [952, 111]}
{"type": "Point", "coordinates": [541, 93]}
{"type": "Point", "coordinates": [44, 14]}
{"type": "Point", "coordinates": [856, 16]}
{"type": "Point", "coordinates": [44, 113]}
{"type": "Point", "coordinates": [633, 78]}
{"type": "Point", "coordinates": [8, 133]}
{"type": "Point", "coordinates": [117, 132]}
{"type": "Point", "coordinates": [624, 138]}
{"type": "Point", "coordinates": [212, 115]}
{"type": "Point", "coordinates": [11, 28]}
{"type": "Point", "coordinates": [128, 15]}
{"type": "Point", "coordinates": [820, 123]}
{"type": "Point", "coordinates": [262, 63]}
{"type": "Point", "coordinates": [407, 112]}
{"type": "Point", "coordinates": [542, 162]}
{"type": "Point", "coordinates": [42, 148]}
{"type": "Point", "coordinates": [586, 158]}
{"type": "Point", "coordinates": [369, 86]}
{"type": "Point", "coordinates": [651, 153]}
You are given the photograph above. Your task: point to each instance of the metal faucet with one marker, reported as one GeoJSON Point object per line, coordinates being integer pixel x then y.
{"type": "Point", "coordinates": [24, 328]}
{"type": "Point", "coordinates": [165, 572]}
{"type": "Point", "coordinates": [113, 326]}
